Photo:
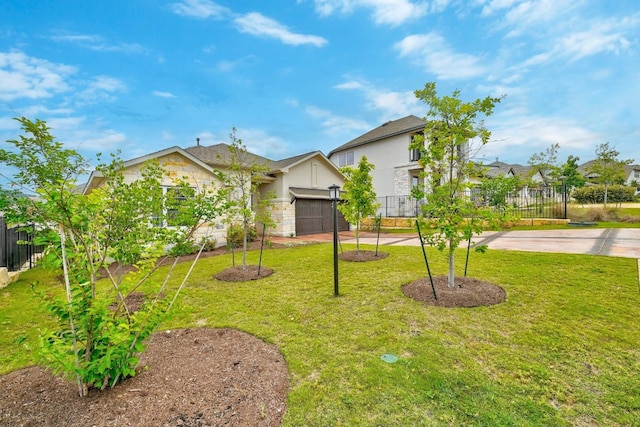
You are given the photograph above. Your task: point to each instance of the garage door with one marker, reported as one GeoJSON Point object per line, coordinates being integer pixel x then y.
{"type": "Point", "coordinates": [316, 216]}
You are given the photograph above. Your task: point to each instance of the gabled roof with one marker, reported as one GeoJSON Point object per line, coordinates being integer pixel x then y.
{"type": "Point", "coordinates": [285, 164]}
{"type": "Point", "coordinates": [386, 130]}
{"type": "Point", "coordinates": [291, 161]}
{"type": "Point", "coordinates": [498, 168]}
{"type": "Point", "coordinates": [96, 176]}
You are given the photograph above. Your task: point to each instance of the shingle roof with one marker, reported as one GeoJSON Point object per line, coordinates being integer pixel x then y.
{"type": "Point", "coordinates": [386, 130]}
{"type": "Point", "coordinates": [281, 164]}
{"type": "Point", "coordinates": [219, 155]}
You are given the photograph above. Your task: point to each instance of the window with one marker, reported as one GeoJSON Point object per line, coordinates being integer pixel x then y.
{"type": "Point", "coordinates": [414, 153]}
{"type": "Point", "coordinates": [173, 199]}
{"type": "Point", "coordinates": [345, 159]}
{"type": "Point", "coordinates": [636, 174]}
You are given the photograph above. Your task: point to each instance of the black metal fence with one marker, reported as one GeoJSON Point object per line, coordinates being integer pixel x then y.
{"type": "Point", "coordinates": [528, 202]}
{"type": "Point", "coordinates": [398, 207]}
{"type": "Point", "coordinates": [16, 248]}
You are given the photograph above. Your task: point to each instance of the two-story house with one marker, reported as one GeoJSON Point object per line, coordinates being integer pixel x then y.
{"type": "Point", "coordinates": [396, 167]}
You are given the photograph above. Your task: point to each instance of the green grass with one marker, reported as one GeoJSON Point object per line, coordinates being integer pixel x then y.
{"type": "Point", "coordinates": [563, 350]}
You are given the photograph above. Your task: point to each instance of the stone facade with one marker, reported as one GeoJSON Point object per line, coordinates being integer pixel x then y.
{"type": "Point", "coordinates": [401, 182]}
{"type": "Point", "coordinates": [179, 167]}
{"type": "Point", "coordinates": [283, 213]}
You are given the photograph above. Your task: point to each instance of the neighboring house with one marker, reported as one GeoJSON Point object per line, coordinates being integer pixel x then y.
{"type": "Point", "coordinates": [300, 185]}
{"type": "Point", "coordinates": [386, 147]}
{"type": "Point", "coordinates": [632, 173]}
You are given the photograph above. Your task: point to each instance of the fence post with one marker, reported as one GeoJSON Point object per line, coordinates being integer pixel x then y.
{"type": "Point", "coordinates": [3, 242]}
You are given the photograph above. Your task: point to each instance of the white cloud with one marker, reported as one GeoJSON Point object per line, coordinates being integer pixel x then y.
{"type": "Point", "coordinates": [22, 76]}
{"type": "Point", "coordinates": [526, 15]}
{"type": "Point", "coordinates": [228, 65]}
{"type": "Point", "coordinates": [602, 36]}
{"type": "Point", "coordinates": [259, 25]}
{"type": "Point", "coordinates": [76, 133]}
{"type": "Point", "coordinates": [98, 43]}
{"type": "Point", "coordinates": [260, 143]}
{"type": "Point", "coordinates": [101, 88]}
{"type": "Point", "coordinates": [391, 12]}
{"type": "Point", "coordinates": [7, 123]}
{"type": "Point", "coordinates": [433, 53]}
{"type": "Point", "coordinates": [200, 9]}
{"type": "Point", "coordinates": [517, 134]}
{"type": "Point", "coordinates": [390, 104]}
{"type": "Point", "coordinates": [163, 94]}
{"type": "Point", "coordinates": [336, 125]}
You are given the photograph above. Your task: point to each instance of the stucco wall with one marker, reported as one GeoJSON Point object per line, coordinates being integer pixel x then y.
{"type": "Point", "coordinates": [315, 172]}
{"type": "Point", "coordinates": [390, 156]}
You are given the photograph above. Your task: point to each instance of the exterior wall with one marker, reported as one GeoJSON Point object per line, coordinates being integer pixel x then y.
{"type": "Point", "coordinates": [180, 167]}
{"type": "Point", "coordinates": [283, 213]}
{"type": "Point", "coordinates": [312, 173]}
{"type": "Point", "coordinates": [393, 169]}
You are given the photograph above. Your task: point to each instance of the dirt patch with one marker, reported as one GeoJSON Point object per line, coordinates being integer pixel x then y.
{"type": "Point", "coordinates": [188, 377]}
{"type": "Point", "coordinates": [468, 292]}
{"type": "Point", "coordinates": [239, 274]}
{"type": "Point", "coordinates": [362, 256]}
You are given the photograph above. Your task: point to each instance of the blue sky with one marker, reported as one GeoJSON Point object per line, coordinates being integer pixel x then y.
{"type": "Point", "coordinates": [300, 75]}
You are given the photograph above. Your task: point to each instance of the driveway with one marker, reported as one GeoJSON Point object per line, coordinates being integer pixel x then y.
{"type": "Point", "coordinates": [618, 242]}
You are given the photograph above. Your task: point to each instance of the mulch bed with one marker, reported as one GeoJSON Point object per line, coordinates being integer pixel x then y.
{"type": "Point", "coordinates": [240, 274]}
{"type": "Point", "coordinates": [188, 377]}
{"type": "Point", "coordinates": [362, 256]}
{"type": "Point", "coordinates": [468, 292]}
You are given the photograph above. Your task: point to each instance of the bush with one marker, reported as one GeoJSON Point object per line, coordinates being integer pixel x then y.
{"type": "Point", "coordinates": [235, 235]}
{"type": "Point", "coordinates": [595, 194]}
{"type": "Point", "coordinates": [209, 244]}
{"type": "Point", "coordinates": [183, 249]}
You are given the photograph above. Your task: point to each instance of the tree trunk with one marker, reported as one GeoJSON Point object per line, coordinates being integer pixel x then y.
{"type": "Point", "coordinates": [244, 247]}
{"type": "Point", "coordinates": [451, 278]}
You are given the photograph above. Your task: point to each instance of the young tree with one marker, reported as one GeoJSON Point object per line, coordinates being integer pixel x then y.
{"type": "Point", "coordinates": [359, 195]}
{"type": "Point", "coordinates": [495, 192]}
{"type": "Point", "coordinates": [451, 124]}
{"type": "Point", "coordinates": [243, 178]}
{"type": "Point", "coordinates": [571, 175]}
{"type": "Point", "coordinates": [608, 168]}
{"type": "Point", "coordinates": [546, 163]}
{"type": "Point", "coordinates": [99, 335]}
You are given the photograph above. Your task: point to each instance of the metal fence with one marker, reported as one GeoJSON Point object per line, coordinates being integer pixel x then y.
{"type": "Point", "coordinates": [398, 207]}
{"type": "Point", "coordinates": [528, 202]}
{"type": "Point", "coordinates": [16, 248]}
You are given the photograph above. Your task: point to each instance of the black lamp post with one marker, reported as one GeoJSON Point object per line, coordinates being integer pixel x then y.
{"type": "Point", "coordinates": [334, 196]}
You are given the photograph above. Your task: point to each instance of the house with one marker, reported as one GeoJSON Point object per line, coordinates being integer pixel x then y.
{"type": "Point", "coordinates": [300, 185]}
{"type": "Point", "coordinates": [630, 176]}
{"type": "Point", "coordinates": [632, 173]}
{"type": "Point", "coordinates": [386, 147]}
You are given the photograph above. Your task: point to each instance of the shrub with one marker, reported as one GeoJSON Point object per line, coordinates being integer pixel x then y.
{"type": "Point", "coordinates": [209, 244]}
{"type": "Point", "coordinates": [184, 248]}
{"type": "Point", "coordinates": [235, 234]}
{"type": "Point", "coordinates": [595, 194]}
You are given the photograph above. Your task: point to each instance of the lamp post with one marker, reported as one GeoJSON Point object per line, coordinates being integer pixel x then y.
{"type": "Point", "coordinates": [334, 196]}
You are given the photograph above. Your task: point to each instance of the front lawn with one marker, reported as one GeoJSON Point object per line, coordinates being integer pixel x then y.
{"type": "Point", "coordinates": [563, 349]}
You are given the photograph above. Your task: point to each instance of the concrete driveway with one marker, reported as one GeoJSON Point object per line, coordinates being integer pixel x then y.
{"type": "Point", "coordinates": [618, 242]}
